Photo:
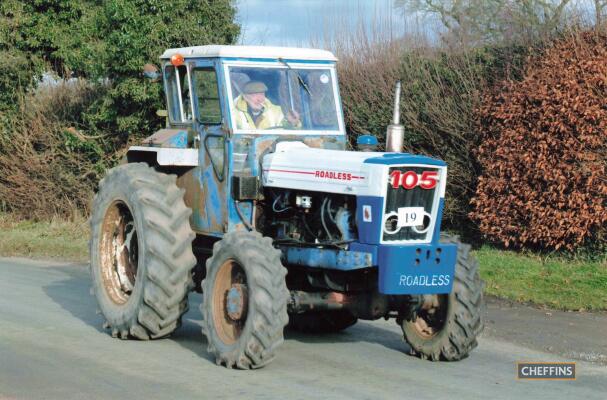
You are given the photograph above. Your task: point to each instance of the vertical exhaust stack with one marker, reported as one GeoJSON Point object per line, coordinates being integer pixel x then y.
{"type": "Point", "coordinates": [395, 134]}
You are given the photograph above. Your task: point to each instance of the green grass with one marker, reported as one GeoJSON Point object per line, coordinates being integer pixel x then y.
{"type": "Point", "coordinates": [554, 282]}
{"type": "Point", "coordinates": [58, 239]}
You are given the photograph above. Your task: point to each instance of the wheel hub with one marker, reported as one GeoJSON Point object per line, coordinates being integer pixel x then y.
{"type": "Point", "coordinates": [235, 301]}
{"type": "Point", "coordinates": [230, 301]}
{"type": "Point", "coordinates": [125, 254]}
{"type": "Point", "coordinates": [430, 318]}
{"type": "Point", "coordinates": [119, 252]}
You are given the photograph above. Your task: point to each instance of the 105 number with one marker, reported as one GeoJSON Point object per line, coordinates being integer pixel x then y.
{"type": "Point", "coordinates": [410, 179]}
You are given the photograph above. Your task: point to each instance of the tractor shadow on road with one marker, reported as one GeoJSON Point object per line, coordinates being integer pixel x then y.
{"type": "Point", "coordinates": [190, 337]}
{"type": "Point", "coordinates": [73, 294]}
{"type": "Point", "coordinates": [362, 331]}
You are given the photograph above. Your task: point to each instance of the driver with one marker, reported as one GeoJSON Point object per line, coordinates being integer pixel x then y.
{"type": "Point", "coordinates": [254, 111]}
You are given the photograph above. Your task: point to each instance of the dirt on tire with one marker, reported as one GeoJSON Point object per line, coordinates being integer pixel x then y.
{"type": "Point", "coordinates": [253, 342]}
{"type": "Point", "coordinates": [147, 299]}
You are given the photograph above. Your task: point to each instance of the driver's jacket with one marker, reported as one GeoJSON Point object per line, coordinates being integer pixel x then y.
{"type": "Point", "coordinates": [271, 116]}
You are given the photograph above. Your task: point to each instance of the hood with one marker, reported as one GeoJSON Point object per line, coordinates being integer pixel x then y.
{"type": "Point", "coordinates": [294, 165]}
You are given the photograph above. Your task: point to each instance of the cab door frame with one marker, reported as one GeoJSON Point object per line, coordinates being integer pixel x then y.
{"type": "Point", "coordinates": [212, 176]}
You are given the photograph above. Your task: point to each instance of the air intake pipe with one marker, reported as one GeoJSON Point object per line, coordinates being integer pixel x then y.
{"type": "Point", "coordinates": [395, 134]}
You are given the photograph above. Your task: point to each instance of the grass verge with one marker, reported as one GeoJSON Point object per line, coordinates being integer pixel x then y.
{"type": "Point", "coordinates": [554, 282]}
{"type": "Point", "coordinates": [57, 239]}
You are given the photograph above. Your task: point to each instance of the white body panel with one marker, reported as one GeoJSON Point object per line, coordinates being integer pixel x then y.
{"type": "Point", "coordinates": [296, 166]}
{"type": "Point", "coordinates": [171, 156]}
{"type": "Point", "coordinates": [292, 53]}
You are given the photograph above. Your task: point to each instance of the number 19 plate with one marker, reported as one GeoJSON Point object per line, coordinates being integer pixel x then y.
{"type": "Point", "coordinates": [410, 216]}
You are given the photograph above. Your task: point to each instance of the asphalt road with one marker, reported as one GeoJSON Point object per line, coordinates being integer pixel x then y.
{"type": "Point", "coordinates": [52, 347]}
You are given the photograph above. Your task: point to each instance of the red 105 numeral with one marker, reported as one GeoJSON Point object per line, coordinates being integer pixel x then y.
{"type": "Point", "coordinates": [410, 179]}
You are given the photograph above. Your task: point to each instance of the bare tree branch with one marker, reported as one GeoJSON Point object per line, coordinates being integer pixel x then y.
{"type": "Point", "coordinates": [495, 20]}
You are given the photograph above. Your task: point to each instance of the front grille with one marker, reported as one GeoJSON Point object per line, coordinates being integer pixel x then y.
{"type": "Point", "coordinates": [416, 197]}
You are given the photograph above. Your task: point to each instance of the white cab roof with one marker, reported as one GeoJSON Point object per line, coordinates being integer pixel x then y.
{"type": "Point", "coordinates": [289, 53]}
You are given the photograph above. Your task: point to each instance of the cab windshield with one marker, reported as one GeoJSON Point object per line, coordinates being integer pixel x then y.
{"type": "Point", "coordinates": [283, 98]}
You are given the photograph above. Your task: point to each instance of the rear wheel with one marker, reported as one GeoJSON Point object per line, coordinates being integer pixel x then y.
{"type": "Point", "coordinates": [446, 326]}
{"type": "Point", "coordinates": [322, 321]}
{"type": "Point", "coordinates": [141, 252]}
{"type": "Point", "coordinates": [244, 304]}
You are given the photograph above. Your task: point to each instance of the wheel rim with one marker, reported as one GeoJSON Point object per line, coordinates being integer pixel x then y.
{"type": "Point", "coordinates": [119, 252]}
{"type": "Point", "coordinates": [230, 301]}
{"type": "Point", "coordinates": [431, 317]}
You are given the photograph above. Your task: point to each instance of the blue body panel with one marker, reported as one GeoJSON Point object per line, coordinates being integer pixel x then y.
{"type": "Point", "coordinates": [404, 158]}
{"type": "Point", "coordinates": [412, 269]}
{"type": "Point", "coordinates": [327, 258]}
{"type": "Point", "coordinates": [369, 229]}
{"type": "Point", "coordinates": [441, 207]}
{"type": "Point", "coordinates": [417, 269]}
{"type": "Point", "coordinates": [179, 140]}
{"type": "Point", "coordinates": [275, 60]}
{"type": "Point", "coordinates": [365, 248]}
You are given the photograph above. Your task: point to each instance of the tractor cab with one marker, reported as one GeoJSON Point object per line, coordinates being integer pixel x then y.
{"type": "Point", "coordinates": [228, 106]}
{"type": "Point", "coordinates": [255, 96]}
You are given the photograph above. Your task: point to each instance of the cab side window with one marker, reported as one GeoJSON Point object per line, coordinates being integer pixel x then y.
{"type": "Point", "coordinates": [207, 92]}
{"type": "Point", "coordinates": [178, 93]}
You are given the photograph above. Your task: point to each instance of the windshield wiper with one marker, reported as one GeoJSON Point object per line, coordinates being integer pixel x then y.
{"type": "Point", "coordinates": [299, 79]}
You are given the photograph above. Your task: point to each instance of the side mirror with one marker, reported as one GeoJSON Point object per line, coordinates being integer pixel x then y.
{"type": "Point", "coordinates": [151, 72]}
{"type": "Point", "coordinates": [367, 143]}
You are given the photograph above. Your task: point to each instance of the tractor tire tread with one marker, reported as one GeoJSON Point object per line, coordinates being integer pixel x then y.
{"type": "Point", "coordinates": [268, 296]}
{"type": "Point", "coordinates": [166, 279]}
{"type": "Point", "coordinates": [464, 318]}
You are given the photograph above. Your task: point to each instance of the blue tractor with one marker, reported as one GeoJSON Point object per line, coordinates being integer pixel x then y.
{"type": "Point", "coordinates": [250, 197]}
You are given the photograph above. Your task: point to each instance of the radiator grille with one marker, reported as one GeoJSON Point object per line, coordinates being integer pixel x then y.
{"type": "Point", "coordinates": [416, 197]}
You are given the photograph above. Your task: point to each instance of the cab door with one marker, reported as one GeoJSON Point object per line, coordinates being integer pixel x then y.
{"type": "Point", "coordinates": [211, 217]}
{"type": "Point", "coordinates": [194, 106]}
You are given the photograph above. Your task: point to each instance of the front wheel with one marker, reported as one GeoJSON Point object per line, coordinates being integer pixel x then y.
{"type": "Point", "coordinates": [245, 298]}
{"type": "Point", "coordinates": [446, 326]}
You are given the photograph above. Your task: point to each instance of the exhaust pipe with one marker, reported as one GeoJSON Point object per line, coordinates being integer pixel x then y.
{"type": "Point", "coordinates": [395, 133]}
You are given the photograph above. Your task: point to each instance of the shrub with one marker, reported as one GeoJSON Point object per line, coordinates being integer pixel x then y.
{"type": "Point", "coordinates": [57, 141]}
{"type": "Point", "coordinates": [108, 42]}
{"type": "Point", "coordinates": [49, 167]}
{"type": "Point", "coordinates": [14, 77]}
{"type": "Point", "coordinates": [136, 32]}
{"type": "Point", "coordinates": [544, 150]}
{"type": "Point", "coordinates": [441, 91]}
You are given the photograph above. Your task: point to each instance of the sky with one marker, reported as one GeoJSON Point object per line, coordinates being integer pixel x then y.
{"type": "Point", "coordinates": [306, 22]}
{"type": "Point", "coordinates": [309, 22]}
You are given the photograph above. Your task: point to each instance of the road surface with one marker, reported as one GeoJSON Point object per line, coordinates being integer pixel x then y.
{"type": "Point", "coordinates": [52, 346]}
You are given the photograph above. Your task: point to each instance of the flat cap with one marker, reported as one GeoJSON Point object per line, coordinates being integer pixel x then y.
{"type": "Point", "coordinates": [255, 87]}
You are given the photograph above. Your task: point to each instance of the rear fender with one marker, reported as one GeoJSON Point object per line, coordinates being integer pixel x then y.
{"type": "Point", "coordinates": [163, 156]}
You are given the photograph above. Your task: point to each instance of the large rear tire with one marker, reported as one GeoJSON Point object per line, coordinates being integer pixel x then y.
{"type": "Point", "coordinates": [447, 329]}
{"type": "Point", "coordinates": [322, 321]}
{"type": "Point", "coordinates": [245, 298]}
{"type": "Point", "coordinates": [141, 252]}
